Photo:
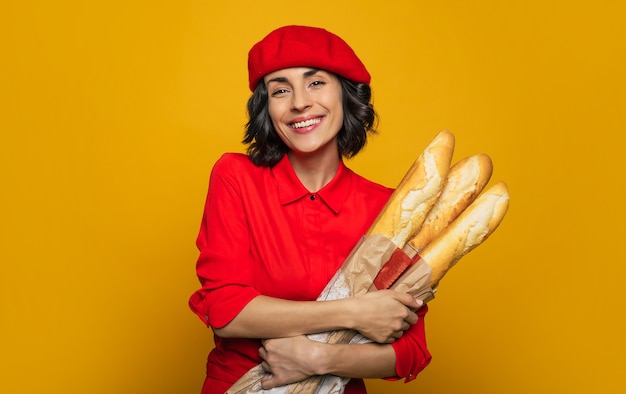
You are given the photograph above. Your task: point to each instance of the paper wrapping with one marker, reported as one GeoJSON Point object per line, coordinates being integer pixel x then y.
{"type": "Point", "coordinates": [355, 277]}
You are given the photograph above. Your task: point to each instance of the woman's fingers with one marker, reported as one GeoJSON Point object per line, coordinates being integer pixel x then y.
{"type": "Point", "coordinates": [264, 364]}
{"type": "Point", "coordinates": [409, 301]}
{"type": "Point", "coordinates": [287, 360]}
{"type": "Point", "coordinates": [410, 319]}
{"type": "Point", "coordinates": [394, 336]}
{"type": "Point", "coordinates": [386, 314]}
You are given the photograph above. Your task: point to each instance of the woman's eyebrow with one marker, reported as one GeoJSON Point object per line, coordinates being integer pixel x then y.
{"type": "Point", "coordinates": [278, 79]}
{"type": "Point", "coordinates": [311, 72]}
{"type": "Point", "coordinates": [306, 74]}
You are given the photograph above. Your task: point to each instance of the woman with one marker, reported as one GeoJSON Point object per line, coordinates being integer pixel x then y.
{"type": "Point", "coordinates": [279, 222]}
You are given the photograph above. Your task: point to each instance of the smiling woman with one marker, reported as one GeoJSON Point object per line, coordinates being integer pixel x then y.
{"type": "Point", "coordinates": [295, 47]}
{"type": "Point", "coordinates": [306, 111]}
{"type": "Point", "coordinates": [280, 221]}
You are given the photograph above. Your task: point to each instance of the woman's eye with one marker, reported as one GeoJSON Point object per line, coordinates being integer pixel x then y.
{"type": "Point", "coordinates": [279, 92]}
{"type": "Point", "coordinates": [317, 83]}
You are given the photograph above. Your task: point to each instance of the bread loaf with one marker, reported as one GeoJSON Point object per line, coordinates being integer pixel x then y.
{"type": "Point", "coordinates": [464, 182]}
{"type": "Point", "coordinates": [416, 193]}
{"type": "Point", "coordinates": [467, 231]}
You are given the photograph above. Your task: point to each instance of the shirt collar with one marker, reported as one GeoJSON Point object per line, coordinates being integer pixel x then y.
{"type": "Point", "coordinates": [290, 189]}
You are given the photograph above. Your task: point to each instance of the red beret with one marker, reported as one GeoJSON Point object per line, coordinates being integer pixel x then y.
{"type": "Point", "coordinates": [303, 46]}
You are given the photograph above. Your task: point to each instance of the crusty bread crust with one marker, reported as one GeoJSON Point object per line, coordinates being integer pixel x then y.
{"type": "Point", "coordinates": [467, 231]}
{"type": "Point", "coordinates": [417, 192]}
{"type": "Point", "coordinates": [464, 182]}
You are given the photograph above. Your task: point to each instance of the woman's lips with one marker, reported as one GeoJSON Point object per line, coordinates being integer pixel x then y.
{"type": "Point", "coordinates": [306, 124]}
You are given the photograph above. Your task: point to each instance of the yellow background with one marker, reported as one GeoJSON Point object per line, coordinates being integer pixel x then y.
{"type": "Point", "coordinates": [113, 114]}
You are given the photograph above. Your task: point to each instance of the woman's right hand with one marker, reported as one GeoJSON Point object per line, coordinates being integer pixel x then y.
{"type": "Point", "coordinates": [384, 315]}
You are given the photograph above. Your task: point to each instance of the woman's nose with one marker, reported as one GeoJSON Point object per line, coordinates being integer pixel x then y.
{"type": "Point", "coordinates": [301, 100]}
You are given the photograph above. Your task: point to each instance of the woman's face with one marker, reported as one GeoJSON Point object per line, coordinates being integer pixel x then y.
{"type": "Point", "coordinates": [306, 108]}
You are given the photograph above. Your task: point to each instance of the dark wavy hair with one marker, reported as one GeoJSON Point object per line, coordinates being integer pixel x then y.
{"type": "Point", "coordinates": [265, 148]}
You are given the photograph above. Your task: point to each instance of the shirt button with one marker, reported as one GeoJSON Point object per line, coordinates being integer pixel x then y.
{"type": "Point", "coordinates": [313, 197]}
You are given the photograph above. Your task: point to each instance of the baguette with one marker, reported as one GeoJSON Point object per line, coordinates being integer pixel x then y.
{"type": "Point", "coordinates": [417, 192]}
{"type": "Point", "coordinates": [465, 181]}
{"type": "Point", "coordinates": [469, 230]}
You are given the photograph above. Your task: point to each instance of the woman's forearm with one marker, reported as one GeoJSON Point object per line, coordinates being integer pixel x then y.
{"type": "Point", "coordinates": [369, 361]}
{"type": "Point", "coordinates": [381, 316]}
{"type": "Point", "coordinates": [290, 360]}
{"type": "Point", "coordinates": [267, 317]}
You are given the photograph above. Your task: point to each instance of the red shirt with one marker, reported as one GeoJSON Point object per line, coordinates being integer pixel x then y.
{"type": "Point", "coordinates": [264, 233]}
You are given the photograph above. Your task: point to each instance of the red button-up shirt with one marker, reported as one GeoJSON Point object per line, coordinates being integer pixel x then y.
{"type": "Point", "coordinates": [263, 232]}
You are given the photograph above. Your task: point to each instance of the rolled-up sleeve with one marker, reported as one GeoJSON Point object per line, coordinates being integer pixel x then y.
{"type": "Point", "coordinates": [412, 354]}
{"type": "Point", "coordinates": [223, 241]}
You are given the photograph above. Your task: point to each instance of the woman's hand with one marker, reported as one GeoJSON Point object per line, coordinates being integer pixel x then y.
{"type": "Point", "coordinates": [288, 360]}
{"type": "Point", "coordinates": [384, 315]}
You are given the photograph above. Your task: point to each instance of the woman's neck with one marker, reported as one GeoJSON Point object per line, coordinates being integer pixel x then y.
{"type": "Point", "coordinates": [315, 171]}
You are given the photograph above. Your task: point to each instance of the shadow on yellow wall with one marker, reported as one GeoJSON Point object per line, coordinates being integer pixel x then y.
{"type": "Point", "coordinates": [112, 115]}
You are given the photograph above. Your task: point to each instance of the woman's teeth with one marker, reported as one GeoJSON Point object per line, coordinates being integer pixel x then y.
{"type": "Point", "coordinates": [306, 123]}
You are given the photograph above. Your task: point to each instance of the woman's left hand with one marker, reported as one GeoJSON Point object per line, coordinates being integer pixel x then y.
{"type": "Point", "coordinates": [287, 360]}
